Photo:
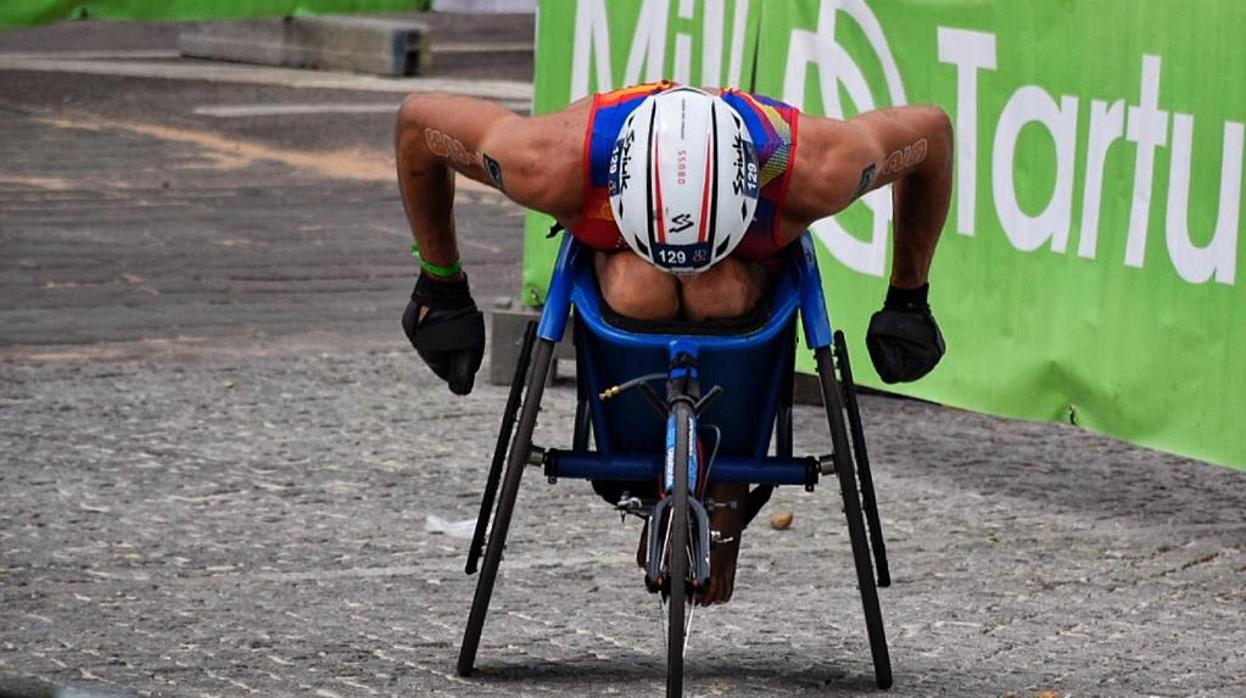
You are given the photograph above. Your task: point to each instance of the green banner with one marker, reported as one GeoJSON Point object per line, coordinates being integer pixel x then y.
{"type": "Point", "coordinates": [20, 13]}
{"type": "Point", "coordinates": [1088, 269]}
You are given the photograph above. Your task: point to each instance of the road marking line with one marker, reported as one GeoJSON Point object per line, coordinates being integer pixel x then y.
{"type": "Point", "coordinates": [356, 163]}
{"type": "Point", "coordinates": [252, 110]}
{"type": "Point", "coordinates": [240, 110]}
{"type": "Point", "coordinates": [361, 164]}
{"type": "Point", "coordinates": [37, 182]}
{"type": "Point", "coordinates": [93, 55]}
{"type": "Point", "coordinates": [514, 90]}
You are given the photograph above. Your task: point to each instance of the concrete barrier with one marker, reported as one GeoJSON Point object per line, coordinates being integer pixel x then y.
{"type": "Point", "coordinates": [374, 45]}
{"type": "Point", "coordinates": [458, 44]}
{"type": "Point", "coordinates": [506, 330]}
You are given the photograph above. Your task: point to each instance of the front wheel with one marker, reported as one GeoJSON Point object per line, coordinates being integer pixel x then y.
{"type": "Point", "coordinates": [677, 551]}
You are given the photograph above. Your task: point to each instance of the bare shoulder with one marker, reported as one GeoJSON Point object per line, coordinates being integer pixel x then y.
{"type": "Point", "coordinates": [535, 160]}
{"type": "Point", "coordinates": [822, 148]}
{"type": "Point", "coordinates": [838, 161]}
{"type": "Point", "coordinates": [540, 160]}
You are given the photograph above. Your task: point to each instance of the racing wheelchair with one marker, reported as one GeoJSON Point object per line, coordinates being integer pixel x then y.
{"type": "Point", "coordinates": [658, 449]}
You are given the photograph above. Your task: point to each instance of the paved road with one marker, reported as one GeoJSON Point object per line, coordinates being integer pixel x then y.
{"type": "Point", "coordinates": [134, 217]}
{"type": "Point", "coordinates": [219, 459]}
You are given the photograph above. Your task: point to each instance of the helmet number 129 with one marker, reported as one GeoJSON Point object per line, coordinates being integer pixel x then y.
{"type": "Point", "coordinates": [672, 256]}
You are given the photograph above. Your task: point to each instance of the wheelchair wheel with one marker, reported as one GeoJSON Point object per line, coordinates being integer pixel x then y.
{"type": "Point", "coordinates": [677, 535]}
{"type": "Point", "coordinates": [505, 432]}
{"type": "Point", "coordinates": [862, 459]}
{"type": "Point", "coordinates": [852, 511]}
{"type": "Point", "coordinates": [516, 461]}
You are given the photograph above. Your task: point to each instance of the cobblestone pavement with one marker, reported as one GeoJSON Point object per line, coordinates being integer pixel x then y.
{"type": "Point", "coordinates": [219, 457]}
{"type": "Point", "coordinates": [256, 526]}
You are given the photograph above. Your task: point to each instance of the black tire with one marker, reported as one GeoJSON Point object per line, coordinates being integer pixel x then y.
{"type": "Point", "coordinates": [677, 593]}
{"type": "Point", "coordinates": [505, 431]}
{"type": "Point", "coordinates": [852, 511]}
{"type": "Point", "coordinates": [583, 417]}
{"type": "Point", "coordinates": [783, 418]}
{"type": "Point", "coordinates": [516, 461]}
{"type": "Point", "coordinates": [582, 428]}
{"type": "Point", "coordinates": [862, 459]}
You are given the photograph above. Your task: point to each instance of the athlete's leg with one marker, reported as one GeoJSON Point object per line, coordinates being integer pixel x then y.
{"type": "Point", "coordinates": [633, 288]}
{"type": "Point", "coordinates": [727, 289]}
{"type": "Point", "coordinates": [730, 499]}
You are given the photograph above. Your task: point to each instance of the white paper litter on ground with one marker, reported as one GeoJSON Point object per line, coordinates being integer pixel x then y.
{"type": "Point", "coordinates": [455, 529]}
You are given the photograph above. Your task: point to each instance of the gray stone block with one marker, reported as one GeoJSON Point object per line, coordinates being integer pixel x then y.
{"type": "Point", "coordinates": [459, 56]}
{"type": "Point", "coordinates": [484, 6]}
{"type": "Point", "coordinates": [506, 329]}
{"type": "Point", "coordinates": [374, 45]}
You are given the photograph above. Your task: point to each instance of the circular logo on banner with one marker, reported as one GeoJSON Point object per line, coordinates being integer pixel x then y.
{"type": "Point", "coordinates": [818, 50]}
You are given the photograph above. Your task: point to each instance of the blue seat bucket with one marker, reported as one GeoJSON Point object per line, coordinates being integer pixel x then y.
{"type": "Point", "coordinates": [751, 367]}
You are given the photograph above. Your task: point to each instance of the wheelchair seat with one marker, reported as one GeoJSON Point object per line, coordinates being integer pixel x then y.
{"type": "Point", "coordinates": [742, 355]}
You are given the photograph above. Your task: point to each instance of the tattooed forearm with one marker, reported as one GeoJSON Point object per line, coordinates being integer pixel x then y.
{"type": "Point", "coordinates": [471, 163]}
{"type": "Point", "coordinates": [449, 147]}
{"type": "Point", "coordinates": [900, 160]}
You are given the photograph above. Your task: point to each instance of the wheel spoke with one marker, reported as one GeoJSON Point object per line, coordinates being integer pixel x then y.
{"type": "Point", "coordinates": [664, 598]}
{"type": "Point", "coordinates": [688, 625]}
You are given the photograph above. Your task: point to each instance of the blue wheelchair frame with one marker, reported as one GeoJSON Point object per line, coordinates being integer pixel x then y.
{"type": "Point", "coordinates": [634, 433]}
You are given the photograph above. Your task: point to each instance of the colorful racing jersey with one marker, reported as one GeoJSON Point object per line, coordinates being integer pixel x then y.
{"type": "Point", "coordinates": [772, 125]}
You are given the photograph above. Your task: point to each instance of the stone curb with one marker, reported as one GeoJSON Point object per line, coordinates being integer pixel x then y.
{"type": "Point", "coordinates": [392, 45]}
{"type": "Point", "coordinates": [334, 42]}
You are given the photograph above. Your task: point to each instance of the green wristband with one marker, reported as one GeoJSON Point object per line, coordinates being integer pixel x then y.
{"type": "Point", "coordinates": [434, 269]}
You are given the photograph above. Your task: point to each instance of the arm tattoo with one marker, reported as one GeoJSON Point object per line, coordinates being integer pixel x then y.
{"type": "Point", "coordinates": [867, 178]}
{"type": "Point", "coordinates": [448, 147]}
{"type": "Point", "coordinates": [905, 158]}
{"type": "Point", "coordinates": [898, 161]}
{"type": "Point", "coordinates": [494, 169]}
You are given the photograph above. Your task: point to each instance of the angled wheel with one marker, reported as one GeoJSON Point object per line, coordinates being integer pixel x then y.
{"type": "Point", "coordinates": [852, 510]}
{"type": "Point", "coordinates": [505, 432]}
{"type": "Point", "coordinates": [516, 461]}
{"type": "Point", "coordinates": [582, 427]}
{"type": "Point", "coordinates": [783, 418]}
{"type": "Point", "coordinates": [583, 417]}
{"type": "Point", "coordinates": [868, 501]}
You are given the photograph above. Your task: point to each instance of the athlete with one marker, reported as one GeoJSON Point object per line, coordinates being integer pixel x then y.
{"type": "Point", "coordinates": [688, 195]}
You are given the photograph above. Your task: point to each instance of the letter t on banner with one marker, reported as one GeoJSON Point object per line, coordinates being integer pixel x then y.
{"type": "Point", "coordinates": [970, 52]}
{"type": "Point", "coordinates": [1148, 127]}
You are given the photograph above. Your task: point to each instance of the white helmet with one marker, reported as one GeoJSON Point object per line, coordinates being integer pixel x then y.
{"type": "Point", "coordinates": [683, 180]}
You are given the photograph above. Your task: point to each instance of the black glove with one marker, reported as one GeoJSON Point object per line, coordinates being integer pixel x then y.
{"type": "Point", "coordinates": [903, 339]}
{"type": "Point", "coordinates": [451, 337]}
